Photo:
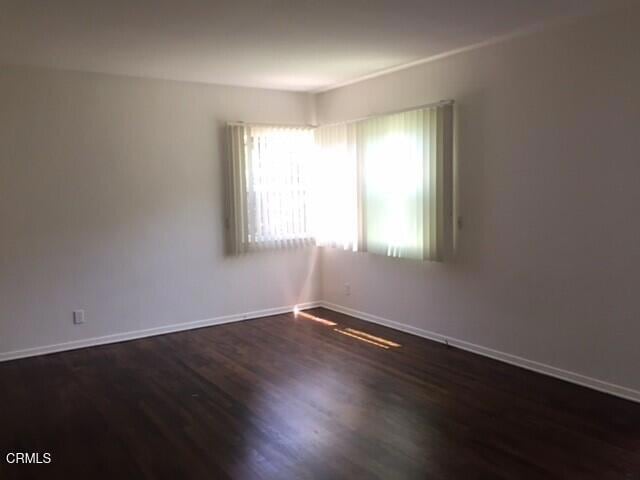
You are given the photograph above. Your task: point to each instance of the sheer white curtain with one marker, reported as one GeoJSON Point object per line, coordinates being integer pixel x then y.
{"type": "Point", "coordinates": [271, 174]}
{"type": "Point", "coordinates": [387, 184]}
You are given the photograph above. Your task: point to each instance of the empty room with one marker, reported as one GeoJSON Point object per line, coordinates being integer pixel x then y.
{"type": "Point", "coordinates": [320, 239]}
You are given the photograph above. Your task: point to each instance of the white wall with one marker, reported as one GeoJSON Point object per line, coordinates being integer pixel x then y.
{"type": "Point", "coordinates": [549, 165]}
{"type": "Point", "coordinates": [111, 201]}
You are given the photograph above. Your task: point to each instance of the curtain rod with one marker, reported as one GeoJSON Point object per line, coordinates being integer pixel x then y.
{"type": "Point", "coordinates": [439, 103]}
{"type": "Point", "coordinates": [262, 124]}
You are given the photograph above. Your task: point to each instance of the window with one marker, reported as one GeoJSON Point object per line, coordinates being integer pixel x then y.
{"type": "Point", "coordinates": [382, 185]}
{"type": "Point", "coordinates": [271, 175]}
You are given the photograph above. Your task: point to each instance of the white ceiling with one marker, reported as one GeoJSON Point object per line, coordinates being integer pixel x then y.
{"type": "Point", "coordinates": [284, 44]}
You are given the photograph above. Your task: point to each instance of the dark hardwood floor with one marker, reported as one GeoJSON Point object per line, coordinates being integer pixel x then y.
{"type": "Point", "coordinates": [287, 398]}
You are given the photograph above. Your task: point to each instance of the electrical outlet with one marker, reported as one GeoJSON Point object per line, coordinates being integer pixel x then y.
{"type": "Point", "coordinates": [347, 289]}
{"type": "Point", "coordinates": [78, 317]}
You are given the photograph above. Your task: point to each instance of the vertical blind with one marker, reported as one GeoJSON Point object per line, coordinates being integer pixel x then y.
{"type": "Point", "coordinates": [271, 175]}
{"type": "Point", "coordinates": [382, 185]}
{"type": "Point", "coordinates": [337, 203]}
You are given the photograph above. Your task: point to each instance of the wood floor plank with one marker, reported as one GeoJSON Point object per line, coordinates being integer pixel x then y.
{"type": "Point", "coordinates": [290, 398]}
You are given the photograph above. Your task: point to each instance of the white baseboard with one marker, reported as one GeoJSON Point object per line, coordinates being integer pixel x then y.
{"type": "Point", "coordinates": [136, 334]}
{"type": "Point", "coordinates": [593, 383]}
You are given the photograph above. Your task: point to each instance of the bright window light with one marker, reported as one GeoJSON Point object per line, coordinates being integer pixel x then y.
{"type": "Point", "coordinates": [308, 316]}
{"type": "Point", "coordinates": [362, 339]}
{"type": "Point", "coordinates": [382, 185]}
{"type": "Point", "coordinates": [373, 337]}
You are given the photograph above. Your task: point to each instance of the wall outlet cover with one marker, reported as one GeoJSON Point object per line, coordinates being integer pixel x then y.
{"type": "Point", "coordinates": [78, 317]}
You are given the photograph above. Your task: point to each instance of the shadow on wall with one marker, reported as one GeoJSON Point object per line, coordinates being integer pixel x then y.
{"type": "Point", "coordinates": [470, 179]}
